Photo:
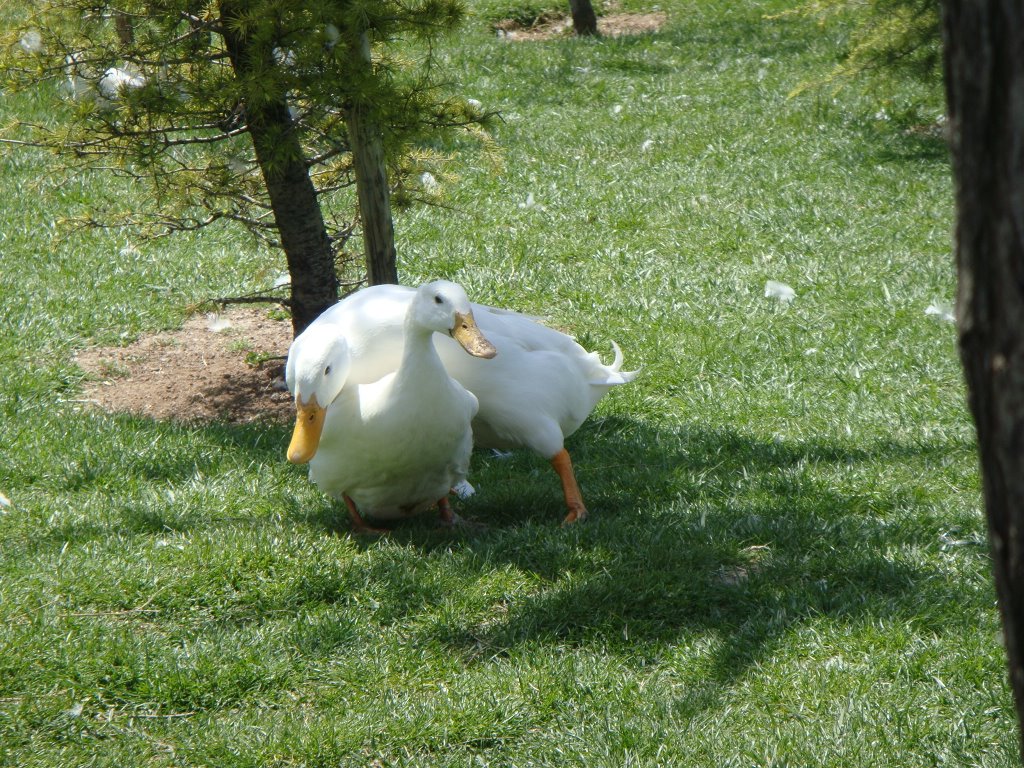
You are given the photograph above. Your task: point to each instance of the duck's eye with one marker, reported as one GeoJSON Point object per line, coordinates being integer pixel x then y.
{"type": "Point", "coordinates": [327, 371]}
{"type": "Point", "coordinates": [438, 300]}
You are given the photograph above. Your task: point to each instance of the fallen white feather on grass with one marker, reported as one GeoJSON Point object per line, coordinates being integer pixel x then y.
{"type": "Point", "coordinates": [216, 323]}
{"type": "Point", "coordinates": [773, 289]}
{"type": "Point", "coordinates": [463, 489]}
{"type": "Point", "coordinates": [32, 42]}
{"type": "Point", "coordinates": [530, 202]}
{"type": "Point", "coordinates": [116, 81]}
{"type": "Point", "coordinates": [941, 310]}
{"type": "Point", "coordinates": [429, 182]}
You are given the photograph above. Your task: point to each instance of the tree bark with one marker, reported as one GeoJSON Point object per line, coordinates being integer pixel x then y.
{"type": "Point", "coordinates": [984, 71]}
{"type": "Point", "coordinates": [293, 198]}
{"type": "Point", "coordinates": [584, 20]}
{"type": "Point", "coordinates": [372, 186]}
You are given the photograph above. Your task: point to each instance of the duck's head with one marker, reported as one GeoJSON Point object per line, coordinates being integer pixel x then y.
{"type": "Point", "coordinates": [317, 368]}
{"type": "Point", "coordinates": [443, 306]}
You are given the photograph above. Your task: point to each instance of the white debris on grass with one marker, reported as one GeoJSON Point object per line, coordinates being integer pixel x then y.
{"type": "Point", "coordinates": [773, 289]}
{"type": "Point", "coordinates": [475, 104]}
{"type": "Point", "coordinates": [647, 145]}
{"type": "Point", "coordinates": [32, 42]}
{"type": "Point", "coordinates": [116, 81]}
{"type": "Point", "coordinates": [463, 489]}
{"type": "Point", "coordinates": [5, 503]}
{"type": "Point", "coordinates": [216, 323]}
{"type": "Point", "coordinates": [173, 543]}
{"type": "Point", "coordinates": [942, 310]}
{"type": "Point", "coordinates": [429, 182]}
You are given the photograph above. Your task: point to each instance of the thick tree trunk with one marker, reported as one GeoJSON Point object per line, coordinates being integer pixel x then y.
{"type": "Point", "coordinates": [371, 181]}
{"type": "Point", "coordinates": [584, 20]}
{"type": "Point", "coordinates": [293, 198]}
{"type": "Point", "coordinates": [984, 62]}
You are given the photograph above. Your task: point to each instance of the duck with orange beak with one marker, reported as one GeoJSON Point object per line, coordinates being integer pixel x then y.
{"type": "Point", "coordinates": [394, 447]}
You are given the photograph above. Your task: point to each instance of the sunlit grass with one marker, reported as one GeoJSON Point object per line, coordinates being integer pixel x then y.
{"type": "Point", "coordinates": [786, 561]}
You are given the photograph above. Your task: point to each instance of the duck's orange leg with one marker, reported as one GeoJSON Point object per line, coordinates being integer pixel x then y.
{"type": "Point", "coordinates": [359, 525]}
{"type": "Point", "coordinates": [448, 517]}
{"type": "Point", "coordinates": [573, 499]}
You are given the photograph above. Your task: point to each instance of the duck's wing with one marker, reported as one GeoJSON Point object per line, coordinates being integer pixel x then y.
{"type": "Point", "coordinates": [507, 329]}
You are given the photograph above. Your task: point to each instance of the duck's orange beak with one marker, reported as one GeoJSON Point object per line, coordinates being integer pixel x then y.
{"type": "Point", "coordinates": [469, 335]}
{"type": "Point", "coordinates": [309, 424]}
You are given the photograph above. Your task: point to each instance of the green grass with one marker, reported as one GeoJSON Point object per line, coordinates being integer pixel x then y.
{"type": "Point", "coordinates": [786, 563]}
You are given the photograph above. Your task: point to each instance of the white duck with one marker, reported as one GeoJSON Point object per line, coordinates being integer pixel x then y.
{"type": "Point", "coordinates": [396, 446]}
{"type": "Point", "coordinates": [537, 391]}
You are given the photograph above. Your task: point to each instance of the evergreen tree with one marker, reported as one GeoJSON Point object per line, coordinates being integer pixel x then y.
{"type": "Point", "coordinates": [260, 112]}
{"type": "Point", "coordinates": [887, 36]}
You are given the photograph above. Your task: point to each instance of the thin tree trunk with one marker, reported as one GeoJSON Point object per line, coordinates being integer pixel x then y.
{"type": "Point", "coordinates": [584, 20]}
{"type": "Point", "coordinates": [984, 63]}
{"type": "Point", "coordinates": [371, 181]}
{"type": "Point", "coordinates": [293, 198]}
{"type": "Point", "coordinates": [123, 26]}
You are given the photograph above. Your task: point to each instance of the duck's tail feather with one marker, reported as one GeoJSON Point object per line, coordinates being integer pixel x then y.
{"type": "Point", "coordinates": [612, 373]}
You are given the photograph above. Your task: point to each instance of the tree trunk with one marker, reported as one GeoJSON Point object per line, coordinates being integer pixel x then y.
{"type": "Point", "coordinates": [293, 198]}
{"type": "Point", "coordinates": [584, 20]}
{"type": "Point", "coordinates": [371, 181]}
{"type": "Point", "coordinates": [984, 64]}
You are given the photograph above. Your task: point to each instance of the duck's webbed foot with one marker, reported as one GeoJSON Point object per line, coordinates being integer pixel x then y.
{"type": "Point", "coordinates": [573, 499]}
{"type": "Point", "coordinates": [447, 514]}
{"type": "Point", "coordinates": [359, 525]}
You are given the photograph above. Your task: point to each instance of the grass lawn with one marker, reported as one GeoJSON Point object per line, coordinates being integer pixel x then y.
{"type": "Point", "coordinates": [786, 563]}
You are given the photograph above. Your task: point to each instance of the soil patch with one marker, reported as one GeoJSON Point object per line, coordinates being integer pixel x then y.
{"type": "Point", "coordinates": [610, 25]}
{"type": "Point", "coordinates": [225, 368]}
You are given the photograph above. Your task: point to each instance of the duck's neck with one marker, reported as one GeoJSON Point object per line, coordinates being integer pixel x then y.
{"type": "Point", "coordinates": [419, 358]}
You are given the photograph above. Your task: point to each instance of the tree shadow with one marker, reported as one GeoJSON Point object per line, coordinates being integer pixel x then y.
{"type": "Point", "coordinates": [139, 463]}
{"type": "Point", "coordinates": [693, 532]}
{"type": "Point", "coordinates": [904, 140]}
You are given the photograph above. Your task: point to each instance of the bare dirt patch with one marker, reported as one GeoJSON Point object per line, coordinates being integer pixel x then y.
{"type": "Point", "coordinates": [196, 373]}
{"type": "Point", "coordinates": [610, 25]}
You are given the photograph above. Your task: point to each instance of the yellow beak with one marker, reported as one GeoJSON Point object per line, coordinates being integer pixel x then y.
{"type": "Point", "coordinates": [469, 335]}
{"type": "Point", "coordinates": [309, 424]}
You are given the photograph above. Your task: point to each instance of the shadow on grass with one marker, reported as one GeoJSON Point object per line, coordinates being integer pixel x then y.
{"type": "Point", "coordinates": [904, 141]}
{"type": "Point", "coordinates": [693, 533]}
{"type": "Point", "coordinates": [138, 464]}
